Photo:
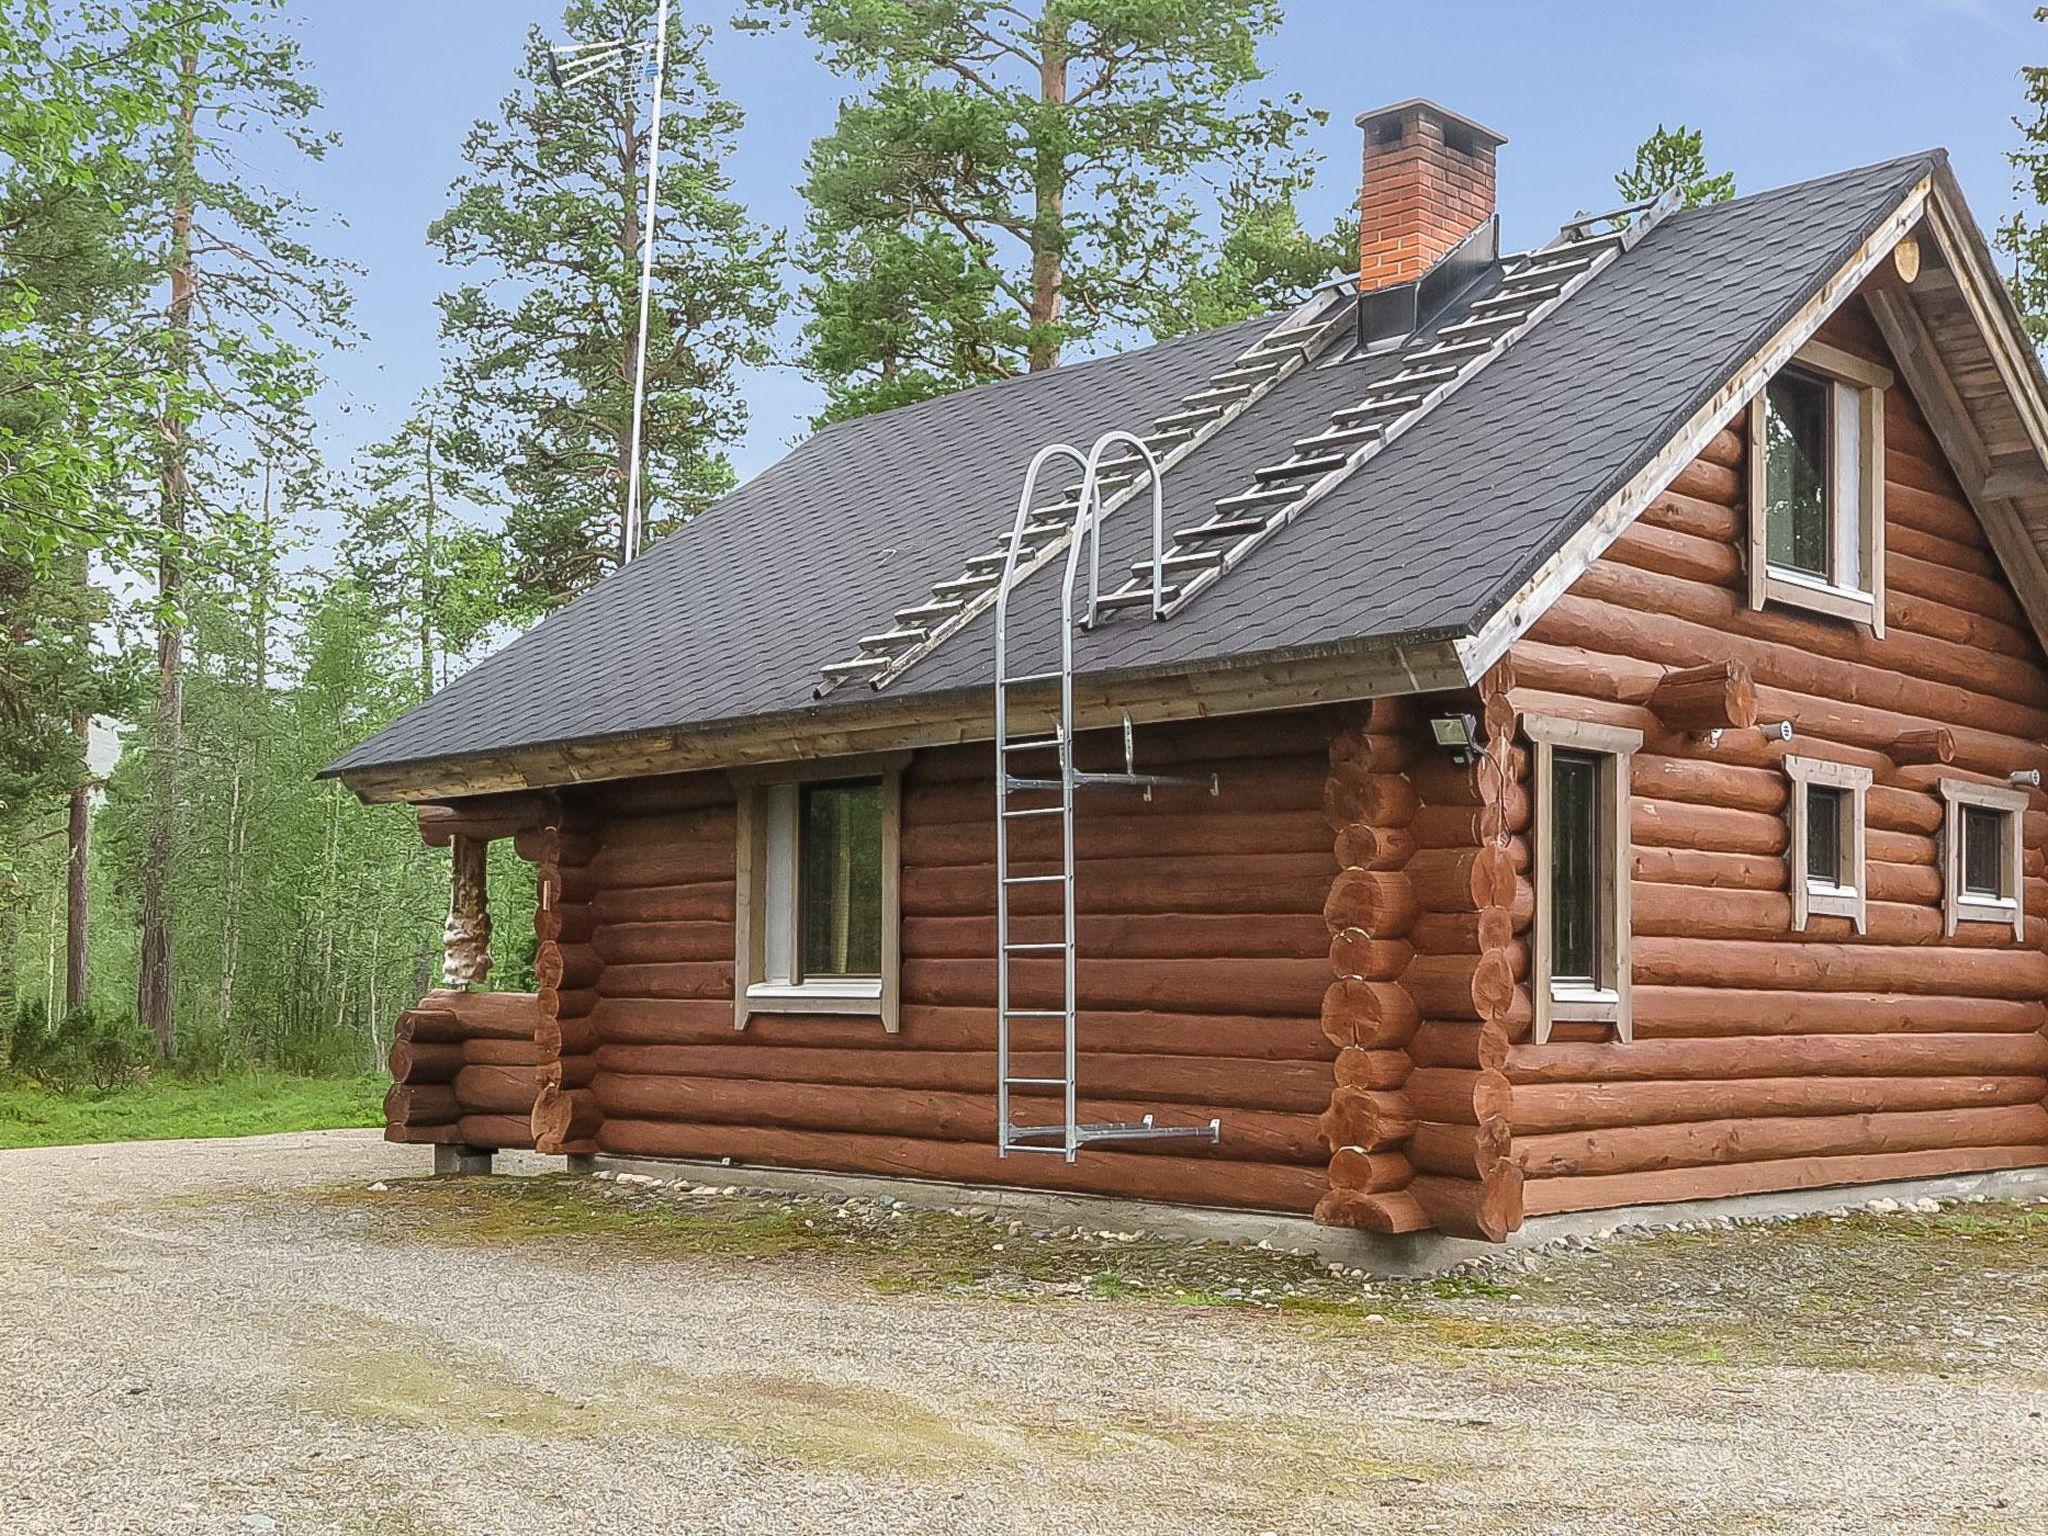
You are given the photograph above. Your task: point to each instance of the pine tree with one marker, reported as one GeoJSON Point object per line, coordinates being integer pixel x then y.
{"type": "Point", "coordinates": [408, 544]}
{"type": "Point", "coordinates": [234, 370]}
{"type": "Point", "coordinates": [1674, 157]}
{"type": "Point", "coordinates": [546, 338]}
{"type": "Point", "coordinates": [1009, 182]}
{"type": "Point", "coordinates": [2024, 234]}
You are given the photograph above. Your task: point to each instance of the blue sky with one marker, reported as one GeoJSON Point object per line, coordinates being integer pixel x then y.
{"type": "Point", "coordinates": [1783, 90]}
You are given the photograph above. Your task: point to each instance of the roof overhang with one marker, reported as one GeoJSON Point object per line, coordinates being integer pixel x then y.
{"type": "Point", "coordinates": [1962, 350]}
{"type": "Point", "coordinates": [1330, 674]}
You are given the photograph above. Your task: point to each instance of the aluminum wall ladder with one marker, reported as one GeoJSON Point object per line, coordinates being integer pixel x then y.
{"type": "Point", "coordinates": [1036, 778]}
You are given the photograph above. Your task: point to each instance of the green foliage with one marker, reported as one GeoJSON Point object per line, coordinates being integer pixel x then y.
{"type": "Point", "coordinates": [2024, 234]}
{"type": "Point", "coordinates": [544, 342]}
{"type": "Point", "coordinates": [1674, 157]}
{"type": "Point", "coordinates": [1266, 260]}
{"type": "Point", "coordinates": [80, 1049]}
{"type": "Point", "coordinates": [1007, 183]}
{"type": "Point", "coordinates": [165, 1107]}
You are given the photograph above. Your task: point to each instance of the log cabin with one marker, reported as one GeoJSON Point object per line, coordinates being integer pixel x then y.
{"type": "Point", "coordinates": [1561, 731]}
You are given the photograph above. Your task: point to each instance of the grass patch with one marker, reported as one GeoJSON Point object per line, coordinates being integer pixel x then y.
{"type": "Point", "coordinates": [165, 1109]}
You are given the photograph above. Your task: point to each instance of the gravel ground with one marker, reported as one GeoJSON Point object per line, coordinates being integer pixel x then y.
{"type": "Point", "coordinates": [240, 1336]}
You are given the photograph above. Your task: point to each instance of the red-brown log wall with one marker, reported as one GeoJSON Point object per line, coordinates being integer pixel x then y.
{"type": "Point", "coordinates": [465, 1068]}
{"type": "Point", "coordinates": [1204, 963]}
{"type": "Point", "coordinates": [1767, 1059]}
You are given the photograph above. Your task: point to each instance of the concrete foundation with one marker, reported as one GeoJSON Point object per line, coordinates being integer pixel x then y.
{"type": "Point", "coordinates": [461, 1159]}
{"type": "Point", "coordinates": [1414, 1255]}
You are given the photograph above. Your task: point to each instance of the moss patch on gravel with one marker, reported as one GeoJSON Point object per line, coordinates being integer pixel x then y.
{"type": "Point", "coordinates": [1954, 1291]}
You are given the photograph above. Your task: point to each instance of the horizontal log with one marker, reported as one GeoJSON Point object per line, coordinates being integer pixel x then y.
{"type": "Point", "coordinates": [1247, 1134]}
{"type": "Point", "coordinates": [1144, 935]}
{"type": "Point", "coordinates": [1282, 882]}
{"type": "Point", "coordinates": [496, 1090]}
{"type": "Point", "coordinates": [1357, 955]}
{"type": "Point", "coordinates": [649, 860]}
{"type": "Point", "coordinates": [1461, 879]}
{"type": "Point", "coordinates": [444, 1015]}
{"type": "Point", "coordinates": [1379, 901]}
{"type": "Point", "coordinates": [1250, 986]}
{"type": "Point", "coordinates": [1296, 1086]}
{"type": "Point", "coordinates": [1368, 1014]}
{"type": "Point", "coordinates": [1105, 1170]}
{"type": "Point", "coordinates": [1359, 1067]}
{"type": "Point", "coordinates": [639, 1021]}
{"type": "Point", "coordinates": [1609, 1191]}
{"type": "Point", "coordinates": [418, 1104]}
{"type": "Point", "coordinates": [1541, 1109]}
{"type": "Point", "coordinates": [664, 795]}
{"type": "Point", "coordinates": [1137, 834]}
{"type": "Point", "coordinates": [414, 1061]}
{"type": "Point", "coordinates": [1363, 1172]}
{"type": "Point", "coordinates": [710, 901]}
{"type": "Point", "coordinates": [1711, 1009]}
{"type": "Point", "coordinates": [1715, 696]}
{"type": "Point", "coordinates": [1371, 1121]}
{"type": "Point", "coordinates": [1461, 986]}
{"type": "Point", "coordinates": [1487, 1209]}
{"type": "Point", "coordinates": [1702, 912]}
{"type": "Point", "coordinates": [1389, 1211]}
{"type": "Point", "coordinates": [634, 943]}
{"type": "Point", "coordinates": [702, 979]}
{"type": "Point", "coordinates": [1458, 1151]}
{"type": "Point", "coordinates": [561, 1116]}
{"type": "Point", "coordinates": [1634, 1149]}
{"type": "Point", "coordinates": [495, 1132]}
{"type": "Point", "coordinates": [1679, 513]}
{"type": "Point", "coordinates": [1473, 1047]}
{"type": "Point", "coordinates": [2019, 974]}
{"type": "Point", "coordinates": [1361, 845]}
{"type": "Point", "coordinates": [1384, 799]}
{"type": "Point", "coordinates": [1457, 1097]}
{"type": "Point", "coordinates": [1749, 1056]}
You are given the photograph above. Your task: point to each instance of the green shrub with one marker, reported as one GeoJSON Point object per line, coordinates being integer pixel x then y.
{"type": "Point", "coordinates": [81, 1049]}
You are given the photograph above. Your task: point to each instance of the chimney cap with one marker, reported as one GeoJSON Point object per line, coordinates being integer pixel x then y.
{"type": "Point", "coordinates": [1399, 108]}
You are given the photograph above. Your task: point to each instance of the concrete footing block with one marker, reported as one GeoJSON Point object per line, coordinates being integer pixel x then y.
{"type": "Point", "coordinates": [462, 1159]}
{"type": "Point", "coordinates": [582, 1162]}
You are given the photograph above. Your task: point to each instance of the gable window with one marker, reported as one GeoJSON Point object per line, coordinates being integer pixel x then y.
{"type": "Point", "coordinates": [816, 893]}
{"type": "Point", "coordinates": [1982, 855]}
{"type": "Point", "coordinates": [1816, 486]}
{"type": "Point", "coordinates": [1581, 950]}
{"type": "Point", "coordinates": [1825, 812]}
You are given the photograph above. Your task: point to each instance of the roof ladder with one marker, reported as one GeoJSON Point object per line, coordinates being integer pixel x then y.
{"type": "Point", "coordinates": [918, 629]}
{"type": "Point", "coordinates": [1433, 367]}
{"type": "Point", "coordinates": [1030, 789]}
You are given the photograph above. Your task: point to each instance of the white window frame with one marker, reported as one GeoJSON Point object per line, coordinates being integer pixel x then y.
{"type": "Point", "coordinates": [1959, 906]}
{"type": "Point", "coordinates": [765, 886]}
{"type": "Point", "coordinates": [1851, 379]}
{"type": "Point", "coordinates": [1823, 898]}
{"type": "Point", "coordinates": [1607, 1002]}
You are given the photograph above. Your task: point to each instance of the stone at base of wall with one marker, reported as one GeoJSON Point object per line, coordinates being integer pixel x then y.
{"type": "Point", "coordinates": [1415, 1255]}
{"type": "Point", "coordinates": [460, 1159]}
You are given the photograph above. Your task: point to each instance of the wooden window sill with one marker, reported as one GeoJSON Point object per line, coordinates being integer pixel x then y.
{"type": "Point", "coordinates": [1797, 589]}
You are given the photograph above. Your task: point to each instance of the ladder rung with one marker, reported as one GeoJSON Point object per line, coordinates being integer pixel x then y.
{"type": "Point", "coordinates": [1385, 405]}
{"type": "Point", "coordinates": [1435, 372]}
{"type": "Point", "coordinates": [1219, 528]}
{"type": "Point", "coordinates": [1333, 437]}
{"type": "Point", "coordinates": [1034, 1013]}
{"type": "Point", "coordinates": [1033, 744]}
{"type": "Point", "coordinates": [1224, 395]}
{"type": "Point", "coordinates": [1301, 469]}
{"type": "Point", "coordinates": [968, 584]}
{"type": "Point", "coordinates": [1014, 782]}
{"type": "Point", "coordinates": [1193, 560]}
{"type": "Point", "coordinates": [1454, 348]}
{"type": "Point", "coordinates": [928, 611]}
{"type": "Point", "coordinates": [1265, 496]}
{"type": "Point", "coordinates": [1192, 419]}
{"type": "Point", "coordinates": [1133, 595]}
{"type": "Point", "coordinates": [1479, 323]}
{"type": "Point", "coordinates": [1523, 299]}
{"type": "Point", "coordinates": [1034, 810]}
{"type": "Point", "coordinates": [894, 640]}
{"type": "Point", "coordinates": [1253, 373]}
{"type": "Point", "coordinates": [1025, 1146]}
{"type": "Point", "coordinates": [1034, 948]}
{"type": "Point", "coordinates": [1554, 261]}
{"type": "Point", "coordinates": [857, 666]}
{"type": "Point", "coordinates": [1031, 677]}
{"type": "Point", "coordinates": [1036, 1082]}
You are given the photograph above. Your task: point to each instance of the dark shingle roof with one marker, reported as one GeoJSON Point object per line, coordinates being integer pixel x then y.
{"type": "Point", "coordinates": [733, 616]}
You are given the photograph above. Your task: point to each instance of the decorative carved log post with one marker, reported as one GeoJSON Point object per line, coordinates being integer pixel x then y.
{"type": "Point", "coordinates": [466, 937]}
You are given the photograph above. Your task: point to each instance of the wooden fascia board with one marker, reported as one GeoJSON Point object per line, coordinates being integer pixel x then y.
{"type": "Point", "coordinates": [1556, 575]}
{"type": "Point", "coordinates": [1256, 685]}
{"type": "Point", "coordinates": [1919, 359]}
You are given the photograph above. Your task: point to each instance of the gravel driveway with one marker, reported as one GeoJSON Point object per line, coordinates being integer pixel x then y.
{"type": "Point", "coordinates": [238, 1336]}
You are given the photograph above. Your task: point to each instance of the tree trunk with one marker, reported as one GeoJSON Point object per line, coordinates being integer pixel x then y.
{"type": "Point", "coordinates": [156, 1003]}
{"type": "Point", "coordinates": [77, 886]}
{"type": "Point", "coordinates": [630, 171]}
{"type": "Point", "coordinates": [427, 572]}
{"type": "Point", "coordinates": [1049, 211]}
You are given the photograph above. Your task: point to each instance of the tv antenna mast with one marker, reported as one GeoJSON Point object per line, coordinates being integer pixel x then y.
{"type": "Point", "coordinates": [574, 64]}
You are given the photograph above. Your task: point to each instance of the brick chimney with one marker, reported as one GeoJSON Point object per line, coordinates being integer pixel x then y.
{"type": "Point", "coordinates": [1428, 184]}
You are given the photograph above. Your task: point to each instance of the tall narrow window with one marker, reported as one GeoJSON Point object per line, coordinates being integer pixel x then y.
{"type": "Point", "coordinates": [1983, 861]}
{"type": "Point", "coordinates": [1580, 957]}
{"type": "Point", "coordinates": [1816, 486]}
{"type": "Point", "coordinates": [1825, 849]}
{"type": "Point", "coordinates": [839, 868]}
{"type": "Point", "coordinates": [1796, 480]}
{"type": "Point", "coordinates": [817, 892]}
{"type": "Point", "coordinates": [1575, 861]}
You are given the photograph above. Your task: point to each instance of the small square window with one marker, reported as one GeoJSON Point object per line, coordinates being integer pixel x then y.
{"type": "Point", "coordinates": [1982, 864]}
{"type": "Point", "coordinates": [1984, 852]}
{"type": "Point", "coordinates": [1826, 805]}
{"type": "Point", "coordinates": [1826, 840]}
